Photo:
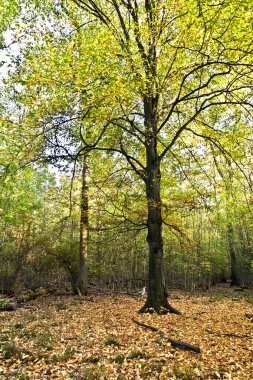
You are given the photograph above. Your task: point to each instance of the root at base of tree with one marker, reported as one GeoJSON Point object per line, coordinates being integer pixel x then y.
{"type": "Point", "coordinates": [175, 343]}
{"type": "Point", "coordinates": [166, 308]}
{"type": "Point", "coordinates": [171, 309]}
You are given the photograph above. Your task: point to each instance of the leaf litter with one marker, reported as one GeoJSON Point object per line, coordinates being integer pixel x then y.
{"type": "Point", "coordinates": [70, 338]}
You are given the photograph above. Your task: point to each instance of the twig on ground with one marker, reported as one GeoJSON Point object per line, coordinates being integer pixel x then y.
{"type": "Point", "coordinates": [233, 335]}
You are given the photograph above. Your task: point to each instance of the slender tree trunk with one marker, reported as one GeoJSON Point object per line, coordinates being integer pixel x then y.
{"type": "Point", "coordinates": [84, 218]}
{"type": "Point", "coordinates": [246, 252]}
{"type": "Point", "coordinates": [156, 289]}
{"type": "Point", "coordinates": [235, 278]}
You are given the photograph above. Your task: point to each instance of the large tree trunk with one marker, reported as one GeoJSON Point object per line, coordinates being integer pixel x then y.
{"type": "Point", "coordinates": [84, 218]}
{"type": "Point", "coordinates": [156, 289]}
{"type": "Point", "coordinates": [235, 277]}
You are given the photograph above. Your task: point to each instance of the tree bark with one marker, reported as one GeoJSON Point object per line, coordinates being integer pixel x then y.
{"type": "Point", "coordinates": [84, 219]}
{"type": "Point", "coordinates": [156, 289]}
{"type": "Point", "coordinates": [235, 277]}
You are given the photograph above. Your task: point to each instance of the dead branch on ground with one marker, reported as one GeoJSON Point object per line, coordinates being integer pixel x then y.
{"type": "Point", "coordinates": [175, 343]}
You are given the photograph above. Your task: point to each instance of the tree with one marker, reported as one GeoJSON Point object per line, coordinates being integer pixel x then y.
{"type": "Point", "coordinates": [168, 71]}
{"type": "Point", "coordinates": [84, 219]}
{"type": "Point", "coordinates": [188, 62]}
{"type": "Point", "coordinates": [54, 108]}
{"type": "Point", "coordinates": [22, 203]}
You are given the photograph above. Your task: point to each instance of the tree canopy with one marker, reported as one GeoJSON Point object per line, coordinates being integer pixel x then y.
{"type": "Point", "coordinates": [159, 95]}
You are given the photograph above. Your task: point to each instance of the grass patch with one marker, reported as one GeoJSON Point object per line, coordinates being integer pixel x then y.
{"type": "Point", "coordinates": [4, 303]}
{"type": "Point", "coordinates": [19, 374]}
{"type": "Point", "coordinates": [110, 341]}
{"type": "Point", "coordinates": [92, 373]}
{"type": "Point", "coordinates": [67, 354]}
{"type": "Point", "coordinates": [93, 360]}
{"type": "Point", "coordinates": [44, 340]}
{"type": "Point", "coordinates": [218, 297]}
{"type": "Point", "coordinates": [10, 351]}
{"type": "Point", "coordinates": [249, 298]}
{"type": "Point", "coordinates": [60, 306]}
{"type": "Point", "coordinates": [137, 355]}
{"type": "Point", "coordinates": [18, 326]}
{"type": "Point", "coordinates": [151, 370]}
{"type": "Point", "coordinates": [119, 359]}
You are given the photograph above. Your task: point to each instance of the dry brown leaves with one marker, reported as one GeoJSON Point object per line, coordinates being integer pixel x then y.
{"type": "Point", "coordinates": [67, 338]}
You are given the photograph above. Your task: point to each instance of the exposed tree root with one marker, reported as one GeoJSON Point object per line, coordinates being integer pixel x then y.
{"type": "Point", "coordinates": [164, 309]}
{"type": "Point", "coordinates": [172, 309]}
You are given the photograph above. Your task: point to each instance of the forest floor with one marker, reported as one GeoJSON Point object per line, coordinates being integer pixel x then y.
{"type": "Point", "coordinates": [64, 337]}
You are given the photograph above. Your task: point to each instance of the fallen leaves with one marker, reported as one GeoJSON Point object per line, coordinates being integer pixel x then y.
{"type": "Point", "coordinates": [97, 340]}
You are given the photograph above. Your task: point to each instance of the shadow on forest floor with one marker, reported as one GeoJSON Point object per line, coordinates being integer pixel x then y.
{"type": "Point", "coordinates": [64, 337]}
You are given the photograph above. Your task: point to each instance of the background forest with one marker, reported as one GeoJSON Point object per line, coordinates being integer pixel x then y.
{"type": "Point", "coordinates": [126, 184]}
{"type": "Point", "coordinates": [71, 147]}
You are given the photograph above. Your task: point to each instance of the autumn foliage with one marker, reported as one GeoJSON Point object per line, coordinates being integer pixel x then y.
{"type": "Point", "coordinates": [94, 338]}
